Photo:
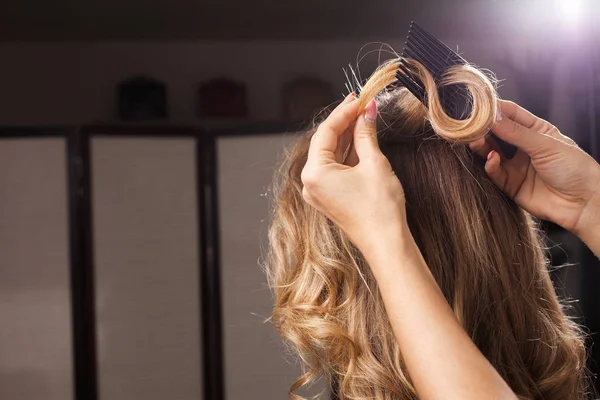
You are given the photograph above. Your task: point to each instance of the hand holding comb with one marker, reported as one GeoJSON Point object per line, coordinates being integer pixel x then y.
{"type": "Point", "coordinates": [437, 58]}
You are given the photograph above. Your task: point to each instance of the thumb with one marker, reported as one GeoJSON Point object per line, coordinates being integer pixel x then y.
{"type": "Point", "coordinates": [365, 133]}
{"type": "Point", "coordinates": [518, 135]}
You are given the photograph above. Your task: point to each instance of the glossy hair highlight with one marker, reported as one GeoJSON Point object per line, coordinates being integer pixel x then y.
{"type": "Point", "coordinates": [483, 250]}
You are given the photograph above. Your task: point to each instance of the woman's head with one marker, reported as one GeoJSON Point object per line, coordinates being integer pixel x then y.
{"type": "Point", "coordinates": [482, 249]}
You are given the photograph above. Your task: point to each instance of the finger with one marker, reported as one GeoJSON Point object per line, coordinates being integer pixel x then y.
{"type": "Point", "coordinates": [365, 133]}
{"type": "Point", "coordinates": [352, 158]}
{"type": "Point", "coordinates": [483, 146]}
{"type": "Point", "coordinates": [521, 116]}
{"type": "Point", "coordinates": [346, 100]}
{"type": "Point", "coordinates": [495, 171]}
{"type": "Point", "coordinates": [519, 135]}
{"type": "Point", "coordinates": [508, 175]}
{"type": "Point", "coordinates": [324, 142]}
{"type": "Point", "coordinates": [556, 134]}
{"type": "Point", "coordinates": [518, 114]}
{"type": "Point", "coordinates": [343, 145]}
{"type": "Point", "coordinates": [516, 167]}
{"type": "Point", "coordinates": [480, 147]}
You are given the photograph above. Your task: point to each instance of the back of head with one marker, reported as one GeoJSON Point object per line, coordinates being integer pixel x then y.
{"type": "Point", "coordinates": [482, 249]}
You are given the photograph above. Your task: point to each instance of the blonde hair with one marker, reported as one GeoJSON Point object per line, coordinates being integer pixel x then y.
{"type": "Point", "coordinates": [483, 250]}
{"type": "Point", "coordinates": [482, 99]}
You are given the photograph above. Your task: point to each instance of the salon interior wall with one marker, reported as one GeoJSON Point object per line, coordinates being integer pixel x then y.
{"type": "Point", "coordinates": [74, 83]}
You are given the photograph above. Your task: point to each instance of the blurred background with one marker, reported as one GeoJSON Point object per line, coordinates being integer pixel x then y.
{"type": "Point", "coordinates": [137, 144]}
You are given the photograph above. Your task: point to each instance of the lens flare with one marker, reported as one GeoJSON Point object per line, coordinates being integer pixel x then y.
{"type": "Point", "coordinates": [571, 12]}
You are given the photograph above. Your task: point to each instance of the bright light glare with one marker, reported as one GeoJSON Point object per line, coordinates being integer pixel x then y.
{"type": "Point", "coordinates": [571, 12]}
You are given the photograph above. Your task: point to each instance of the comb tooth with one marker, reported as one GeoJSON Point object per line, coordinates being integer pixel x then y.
{"type": "Point", "coordinates": [436, 56]}
{"type": "Point", "coordinates": [434, 40]}
{"type": "Point", "coordinates": [451, 103]}
{"type": "Point", "coordinates": [453, 56]}
{"type": "Point", "coordinates": [425, 60]}
{"type": "Point", "coordinates": [436, 70]}
{"type": "Point", "coordinates": [438, 42]}
{"type": "Point", "coordinates": [415, 91]}
{"type": "Point", "coordinates": [406, 68]}
{"type": "Point", "coordinates": [442, 56]}
{"type": "Point", "coordinates": [431, 42]}
{"type": "Point", "coordinates": [428, 57]}
{"type": "Point", "coordinates": [411, 84]}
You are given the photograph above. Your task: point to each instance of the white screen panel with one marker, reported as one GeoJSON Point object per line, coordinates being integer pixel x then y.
{"type": "Point", "coordinates": [146, 268]}
{"type": "Point", "coordinates": [256, 364]}
{"type": "Point", "coordinates": [35, 307]}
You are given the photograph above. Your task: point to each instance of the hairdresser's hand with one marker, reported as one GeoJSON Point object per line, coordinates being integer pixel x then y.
{"type": "Point", "coordinates": [550, 176]}
{"type": "Point", "coordinates": [360, 194]}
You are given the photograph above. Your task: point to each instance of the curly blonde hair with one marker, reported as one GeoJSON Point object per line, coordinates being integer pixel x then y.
{"type": "Point", "coordinates": [483, 250]}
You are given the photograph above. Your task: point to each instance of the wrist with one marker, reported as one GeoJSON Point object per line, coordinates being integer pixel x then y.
{"type": "Point", "coordinates": [588, 227]}
{"type": "Point", "coordinates": [390, 242]}
{"type": "Point", "coordinates": [397, 258]}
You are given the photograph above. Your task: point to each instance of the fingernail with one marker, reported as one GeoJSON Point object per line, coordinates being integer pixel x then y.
{"type": "Point", "coordinates": [371, 112]}
{"type": "Point", "coordinates": [499, 116]}
{"type": "Point", "coordinates": [490, 154]}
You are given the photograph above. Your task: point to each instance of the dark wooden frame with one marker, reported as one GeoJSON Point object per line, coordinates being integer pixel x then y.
{"type": "Point", "coordinates": [81, 241]}
{"type": "Point", "coordinates": [208, 245]}
{"type": "Point", "coordinates": [81, 277]}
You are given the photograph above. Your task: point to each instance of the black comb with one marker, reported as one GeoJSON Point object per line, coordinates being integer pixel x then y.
{"type": "Point", "coordinates": [436, 57]}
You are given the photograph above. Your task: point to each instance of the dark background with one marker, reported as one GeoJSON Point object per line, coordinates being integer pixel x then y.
{"type": "Point", "coordinates": [61, 60]}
